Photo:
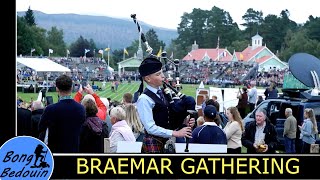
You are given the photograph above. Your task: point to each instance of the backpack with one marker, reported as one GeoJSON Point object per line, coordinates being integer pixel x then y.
{"type": "Point", "coordinates": [224, 119]}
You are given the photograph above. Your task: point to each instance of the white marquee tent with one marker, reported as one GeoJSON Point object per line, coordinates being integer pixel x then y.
{"type": "Point", "coordinates": [41, 65]}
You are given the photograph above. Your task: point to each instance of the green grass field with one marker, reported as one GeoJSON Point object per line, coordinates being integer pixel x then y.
{"type": "Point", "coordinates": [188, 89]}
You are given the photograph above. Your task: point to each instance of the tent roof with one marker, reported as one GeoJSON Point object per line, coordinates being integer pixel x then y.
{"type": "Point", "coordinates": [41, 65]}
{"type": "Point", "coordinates": [110, 69]}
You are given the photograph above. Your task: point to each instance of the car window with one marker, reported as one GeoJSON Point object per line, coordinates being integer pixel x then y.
{"type": "Point", "coordinates": [274, 107]}
{"type": "Point", "coordinates": [262, 105]}
{"type": "Point", "coordinates": [316, 113]}
{"type": "Point", "coordinates": [273, 113]}
{"type": "Point", "coordinates": [295, 110]}
{"type": "Point", "coordinates": [316, 109]}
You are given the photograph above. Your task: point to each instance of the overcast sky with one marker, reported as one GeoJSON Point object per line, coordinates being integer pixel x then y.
{"type": "Point", "coordinates": [167, 13]}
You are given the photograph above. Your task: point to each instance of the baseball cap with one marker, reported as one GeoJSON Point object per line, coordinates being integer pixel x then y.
{"type": "Point", "coordinates": [210, 111]}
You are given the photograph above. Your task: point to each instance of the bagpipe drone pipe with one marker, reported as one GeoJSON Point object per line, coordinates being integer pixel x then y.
{"type": "Point", "coordinates": [180, 105]}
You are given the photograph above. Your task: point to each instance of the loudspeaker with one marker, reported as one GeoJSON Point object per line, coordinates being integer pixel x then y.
{"type": "Point", "coordinates": [49, 100]}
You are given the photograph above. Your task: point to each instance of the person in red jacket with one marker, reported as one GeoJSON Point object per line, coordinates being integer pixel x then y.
{"type": "Point", "coordinates": [102, 109]}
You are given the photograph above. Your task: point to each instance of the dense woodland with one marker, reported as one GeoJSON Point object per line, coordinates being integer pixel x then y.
{"type": "Point", "coordinates": [282, 36]}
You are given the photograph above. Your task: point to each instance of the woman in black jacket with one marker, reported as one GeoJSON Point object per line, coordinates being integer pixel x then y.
{"type": "Point", "coordinates": [93, 130]}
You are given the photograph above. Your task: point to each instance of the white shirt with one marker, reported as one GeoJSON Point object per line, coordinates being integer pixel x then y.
{"type": "Point", "coordinates": [253, 94]}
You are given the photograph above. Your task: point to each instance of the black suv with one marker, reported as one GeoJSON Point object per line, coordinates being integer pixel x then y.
{"type": "Point", "coordinates": [276, 113]}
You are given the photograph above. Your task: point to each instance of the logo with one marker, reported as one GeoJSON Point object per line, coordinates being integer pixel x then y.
{"type": "Point", "coordinates": [25, 157]}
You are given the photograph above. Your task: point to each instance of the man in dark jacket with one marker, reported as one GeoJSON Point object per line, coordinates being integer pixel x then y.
{"type": "Point", "coordinates": [64, 119]}
{"type": "Point", "coordinates": [260, 136]}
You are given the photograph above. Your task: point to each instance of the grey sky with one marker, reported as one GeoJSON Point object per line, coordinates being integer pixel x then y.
{"type": "Point", "coordinates": [167, 13]}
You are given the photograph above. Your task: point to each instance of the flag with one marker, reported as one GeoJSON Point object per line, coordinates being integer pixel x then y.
{"type": "Point", "coordinates": [50, 51]}
{"type": "Point", "coordinates": [160, 51]}
{"type": "Point", "coordinates": [125, 52]}
{"type": "Point", "coordinates": [224, 53]}
{"type": "Point", "coordinates": [100, 51]}
{"type": "Point", "coordinates": [241, 56]}
{"type": "Point", "coordinates": [86, 50]}
{"type": "Point", "coordinates": [32, 50]}
{"type": "Point", "coordinates": [171, 57]}
{"type": "Point", "coordinates": [68, 52]}
{"type": "Point", "coordinates": [107, 49]}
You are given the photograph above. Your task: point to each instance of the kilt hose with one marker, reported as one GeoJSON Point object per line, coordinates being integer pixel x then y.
{"type": "Point", "coordinates": [153, 144]}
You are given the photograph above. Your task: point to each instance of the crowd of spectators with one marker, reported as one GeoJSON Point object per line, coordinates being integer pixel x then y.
{"type": "Point", "coordinates": [233, 73]}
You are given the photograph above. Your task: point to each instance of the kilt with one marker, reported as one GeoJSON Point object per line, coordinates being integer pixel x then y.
{"type": "Point", "coordinates": [153, 144]}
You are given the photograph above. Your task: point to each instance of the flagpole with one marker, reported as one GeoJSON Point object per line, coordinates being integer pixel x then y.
{"type": "Point", "coordinates": [218, 49]}
{"type": "Point", "coordinates": [108, 56]}
{"type": "Point", "coordinates": [94, 55]}
{"type": "Point", "coordinates": [123, 54]}
{"type": "Point", "coordinates": [49, 52]}
{"type": "Point", "coordinates": [31, 52]}
{"type": "Point", "coordinates": [102, 57]}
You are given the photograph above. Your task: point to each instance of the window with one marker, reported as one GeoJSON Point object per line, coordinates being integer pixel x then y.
{"type": "Point", "coordinates": [316, 113]}
{"type": "Point", "coordinates": [263, 105]}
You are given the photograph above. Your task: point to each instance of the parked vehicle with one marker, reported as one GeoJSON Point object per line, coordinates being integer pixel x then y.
{"type": "Point", "coordinates": [276, 113]}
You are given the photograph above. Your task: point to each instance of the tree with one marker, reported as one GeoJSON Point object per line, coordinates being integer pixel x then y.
{"type": "Point", "coordinates": [56, 42]}
{"type": "Point", "coordinates": [220, 24]}
{"type": "Point", "coordinates": [23, 44]}
{"type": "Point", "coordinates": [29, 37]}
{"type": "Point", "coordinates": [274, 29]}
{"type": "Point", "coordinates": [93, 48]}
{"type": "Point", "coordinates": [77, 48]}
{"type": "Point", "coordinates": [198, 26]}
{"type": "Point", "coordinates": [313, 28]}
{"type": "Point", "coordinates": [183, 41]}
{"type": "Point", "coordinates": [253, 20]}
{"type": "Point", "coordinates": [238, 45]}
{"type": "Point", "coordinates": [153, 41]}
{"type": "Point", "coordinates": [29, 17]}
{"type": "Point", "coordinates": [205, 27]}
{"type": "Point", "coordinates": [299, 42]}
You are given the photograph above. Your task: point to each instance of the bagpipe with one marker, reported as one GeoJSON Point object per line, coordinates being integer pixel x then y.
{"type": "Point", "coordinates": [180, 105]}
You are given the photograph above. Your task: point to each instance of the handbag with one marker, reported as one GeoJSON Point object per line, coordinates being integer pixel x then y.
{"type": "Point", "coordinates": [169, 147]}
{"type": "Point", "coordinates": [314, 148]}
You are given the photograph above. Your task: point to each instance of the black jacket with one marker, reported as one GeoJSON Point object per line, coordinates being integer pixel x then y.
{"type": "Point", "coordinates": [92, 134]}
{"type": "Point", "coordinates": [24, 122]}
{"type": "Point", "coordinates": [271, 139]}
{"type": "Point", "coordinates": [35, 119]}
{"type": "Point", "coordinates": [64, 120]}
